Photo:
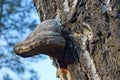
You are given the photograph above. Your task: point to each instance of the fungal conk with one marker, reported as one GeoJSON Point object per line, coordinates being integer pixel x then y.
{"type": "Point", "coordinates": [45, 39]}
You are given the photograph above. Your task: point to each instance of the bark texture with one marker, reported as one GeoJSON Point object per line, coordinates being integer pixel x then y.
{"type": "Point", "coordinates": [80, 20]}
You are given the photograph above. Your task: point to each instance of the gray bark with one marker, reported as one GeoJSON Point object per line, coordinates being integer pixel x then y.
{"type": "Point", "coordinates": [85, 55]}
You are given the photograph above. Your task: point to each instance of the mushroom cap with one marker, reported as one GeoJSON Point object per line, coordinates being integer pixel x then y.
{"type": "Point", "coordinates": [45, 39]}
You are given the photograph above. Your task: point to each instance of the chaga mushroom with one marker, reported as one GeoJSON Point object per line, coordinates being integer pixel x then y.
{"type": "Point", "coordinates": [45, 39]}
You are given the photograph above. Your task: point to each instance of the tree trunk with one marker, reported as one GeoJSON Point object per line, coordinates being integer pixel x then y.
{"type": "Point", "coordinates": [91, 29]}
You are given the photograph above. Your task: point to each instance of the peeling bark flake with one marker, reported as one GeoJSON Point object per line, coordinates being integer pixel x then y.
{"type": "Point", "coordinates": [74, 3]}
{"type": "Point", "coordinates": [106, 6]}
{"type": "Point", "coordinates": [66, 7]}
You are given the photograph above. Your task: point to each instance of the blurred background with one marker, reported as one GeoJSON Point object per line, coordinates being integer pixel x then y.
{"type": "Point", "coordinates": [18, 18]}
